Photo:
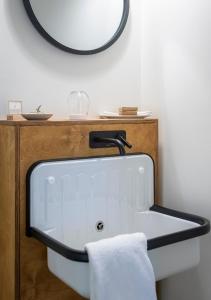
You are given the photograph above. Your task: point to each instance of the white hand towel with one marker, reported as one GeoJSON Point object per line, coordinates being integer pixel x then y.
{"type": "Point", "coordinates": [120, 269]}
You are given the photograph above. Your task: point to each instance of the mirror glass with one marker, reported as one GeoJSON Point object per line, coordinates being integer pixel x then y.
{"type": "Point", "coordinates": [79, 25]}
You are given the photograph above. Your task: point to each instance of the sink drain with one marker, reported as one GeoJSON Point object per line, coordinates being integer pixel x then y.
{"type": "Point", "coordinates": [99, 226]}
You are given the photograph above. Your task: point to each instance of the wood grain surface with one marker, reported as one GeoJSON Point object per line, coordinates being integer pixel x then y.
{"type": "Point", "coordinates": [7, 213]}
{"type": "Point", "coordinates": [42, 141]}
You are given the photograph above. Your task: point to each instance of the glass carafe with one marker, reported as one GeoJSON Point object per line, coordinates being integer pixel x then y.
{"type": "Point", "coordinates": [78, 105]}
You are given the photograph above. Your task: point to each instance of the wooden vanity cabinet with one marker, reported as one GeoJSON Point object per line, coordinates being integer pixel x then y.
{"type": "Point", "coordinates": [24, 274]}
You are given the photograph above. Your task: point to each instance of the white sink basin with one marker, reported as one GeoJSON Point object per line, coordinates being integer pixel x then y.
{"type": "Point", "coordinates": [67, 199]}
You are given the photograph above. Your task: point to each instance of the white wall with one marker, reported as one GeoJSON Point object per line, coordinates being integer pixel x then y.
{"type": "Point", "coordinates": [175, 76]}
{"type": "Point", "coordinates": [38, 73]}
{"type": "Point", "coordinates": [176, 85]}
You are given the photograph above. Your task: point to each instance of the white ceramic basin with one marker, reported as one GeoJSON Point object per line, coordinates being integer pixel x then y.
{"type": "Point", "coordinates": [166, 260]}
{"type": "Point", "coordinates": [68, 198]}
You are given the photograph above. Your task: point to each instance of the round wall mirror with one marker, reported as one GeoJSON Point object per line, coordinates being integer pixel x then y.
{"type": "Point", "coordinates": [79, 26]}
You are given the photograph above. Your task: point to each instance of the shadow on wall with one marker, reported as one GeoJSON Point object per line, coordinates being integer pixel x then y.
{"type": "Point", "coordinates": [36, 48]}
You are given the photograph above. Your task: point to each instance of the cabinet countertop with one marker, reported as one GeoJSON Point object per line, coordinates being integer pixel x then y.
{"type": "Point", "coordinates": [63, 122]}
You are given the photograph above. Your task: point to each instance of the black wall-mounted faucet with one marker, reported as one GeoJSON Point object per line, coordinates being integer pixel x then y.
{"type": "Point", "coordinates": [112, 141]}
{"type": "Point", "coordinates": [107, 139]}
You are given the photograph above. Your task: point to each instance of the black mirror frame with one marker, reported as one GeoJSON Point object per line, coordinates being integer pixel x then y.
{"type": "Point", "coordinates": [54, 42]}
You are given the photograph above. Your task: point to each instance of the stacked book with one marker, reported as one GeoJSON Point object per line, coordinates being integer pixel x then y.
{"type": "Point", "coordinates": [131, 111]}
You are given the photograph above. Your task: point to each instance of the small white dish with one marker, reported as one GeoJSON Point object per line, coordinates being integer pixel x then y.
{"type": "Point", "coordinates": [34, 116]}
{"type": "Point", "coordinates": [113, 115]}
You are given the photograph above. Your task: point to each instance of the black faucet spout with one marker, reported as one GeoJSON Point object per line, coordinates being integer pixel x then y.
{"type": "Point", "coordinates": [118, 143]}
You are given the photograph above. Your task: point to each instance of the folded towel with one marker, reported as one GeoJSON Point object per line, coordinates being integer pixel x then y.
{"type": "Point", "coordinates": [120, 269]}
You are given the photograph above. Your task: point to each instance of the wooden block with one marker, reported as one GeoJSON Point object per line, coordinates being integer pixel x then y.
{"type": "Point", "coordinates": [15, 117]}
{"type": "Point", "coordinates": [125, 108]}
{"type": "Point", "coordinates": [128, 113]}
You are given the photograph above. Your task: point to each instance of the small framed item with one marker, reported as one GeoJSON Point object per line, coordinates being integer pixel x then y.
{"type": "Point", "coordinates": [15, 111]}
{"type": "Point", "coordinates": [15, 107]}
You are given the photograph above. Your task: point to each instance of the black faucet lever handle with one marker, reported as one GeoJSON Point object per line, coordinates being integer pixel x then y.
{"type": "Point", "coordinates": [126, 143]}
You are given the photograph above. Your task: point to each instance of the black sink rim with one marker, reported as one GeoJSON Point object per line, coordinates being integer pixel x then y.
{"type": "Point", "coordinates": [154, 243]}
